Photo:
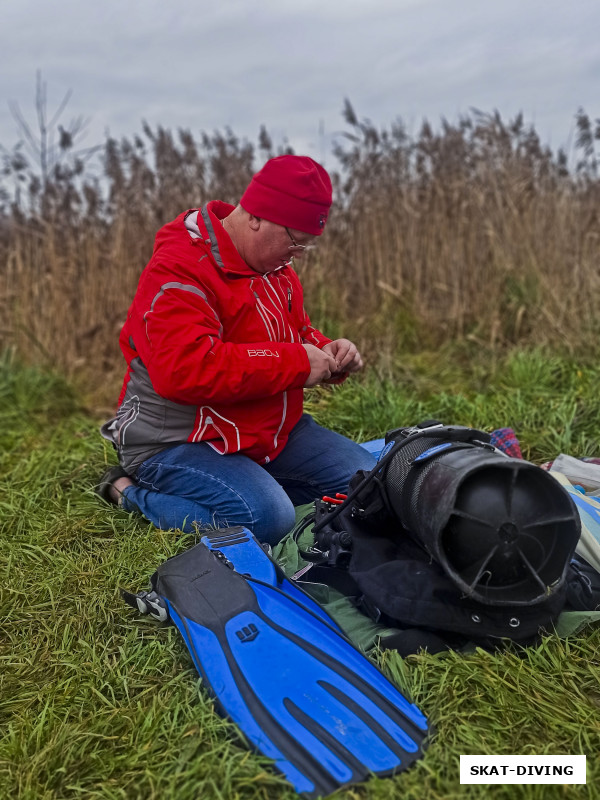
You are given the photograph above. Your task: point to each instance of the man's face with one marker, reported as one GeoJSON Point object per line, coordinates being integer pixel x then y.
{"type": "Point", "coordinates": [274, 246]}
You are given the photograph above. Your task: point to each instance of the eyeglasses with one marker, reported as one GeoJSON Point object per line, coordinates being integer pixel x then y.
{"type": "Point", "coordinates": [296, 246]}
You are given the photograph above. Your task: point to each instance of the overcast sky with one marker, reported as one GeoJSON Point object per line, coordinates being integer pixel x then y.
{"type": "Point", "coordinates": [289, 65]}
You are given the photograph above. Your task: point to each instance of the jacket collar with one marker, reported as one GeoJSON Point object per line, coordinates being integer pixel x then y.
{"type": "Point", "coordinates": [209, 221]}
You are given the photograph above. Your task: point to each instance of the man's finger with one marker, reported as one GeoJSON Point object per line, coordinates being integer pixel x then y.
{"type": "Point", "coordinates": [350, 356]}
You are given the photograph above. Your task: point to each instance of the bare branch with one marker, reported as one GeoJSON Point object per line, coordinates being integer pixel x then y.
{"type": "Point", "coordinates": [23, 127]}
{"type": "Point", "coordinates": [60, 109]}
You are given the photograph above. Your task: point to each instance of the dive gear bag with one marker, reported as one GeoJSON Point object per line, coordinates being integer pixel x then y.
{"type": "Point", "coordinates": [449, 539]}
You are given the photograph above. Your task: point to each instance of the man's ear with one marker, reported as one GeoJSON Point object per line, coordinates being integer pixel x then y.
{"type": "Point", "coordinates": [254, 222]}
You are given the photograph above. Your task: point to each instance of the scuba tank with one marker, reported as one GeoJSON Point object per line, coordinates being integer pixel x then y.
{"type": "Point", "coordinates": [447, 533]}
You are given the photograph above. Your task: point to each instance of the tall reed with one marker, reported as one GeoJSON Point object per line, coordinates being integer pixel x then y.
{"type": "Point", "coordinates": [475, 230]}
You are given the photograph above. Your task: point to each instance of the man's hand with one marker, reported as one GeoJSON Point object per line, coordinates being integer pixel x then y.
{"type": "Point", "coordinates": [322, 365]}
{"type": "Point", "coordinates": [347, 359]}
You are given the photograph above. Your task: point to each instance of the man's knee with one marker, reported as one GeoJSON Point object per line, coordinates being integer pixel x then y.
{"type": "Point", "coordinates": [272, 521]}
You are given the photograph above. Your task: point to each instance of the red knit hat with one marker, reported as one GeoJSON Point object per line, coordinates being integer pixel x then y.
{"type": "Point", "coordinates": [293, 191]}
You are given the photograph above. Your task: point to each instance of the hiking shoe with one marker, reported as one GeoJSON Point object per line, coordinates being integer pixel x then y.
{"type": "Point", "coordinates": [103, 487]}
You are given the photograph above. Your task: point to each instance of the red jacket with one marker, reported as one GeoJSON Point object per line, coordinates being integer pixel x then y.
{"type": "Point", "coordinates": [214, 349]}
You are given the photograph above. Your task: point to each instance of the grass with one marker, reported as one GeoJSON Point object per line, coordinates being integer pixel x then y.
{"type": "Point", "coordinates": [98, 703]}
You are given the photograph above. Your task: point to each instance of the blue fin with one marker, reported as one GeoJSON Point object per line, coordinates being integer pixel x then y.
{"type": "Point", "coordinates": [279, 667]}
{"type": "Point", "coordinates": [247, 556]}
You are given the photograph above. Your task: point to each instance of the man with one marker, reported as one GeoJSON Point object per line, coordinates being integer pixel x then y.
{"type": "Point", "coordinates": [209, 427]}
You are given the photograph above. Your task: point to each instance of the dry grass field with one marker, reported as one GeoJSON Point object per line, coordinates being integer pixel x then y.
{"type": "Point", "coordinates": [475, 232]}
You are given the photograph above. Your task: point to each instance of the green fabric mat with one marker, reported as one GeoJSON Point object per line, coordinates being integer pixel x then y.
{"type": "Point", "coordinates": [363, 632]}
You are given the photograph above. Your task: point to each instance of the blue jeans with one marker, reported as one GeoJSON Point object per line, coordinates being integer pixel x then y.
{"type": "Point", "coordinates": [191, 485]}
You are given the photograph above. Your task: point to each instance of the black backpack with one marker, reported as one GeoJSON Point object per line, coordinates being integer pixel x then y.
{"type": "Point", "coordinates": [410, 578]}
